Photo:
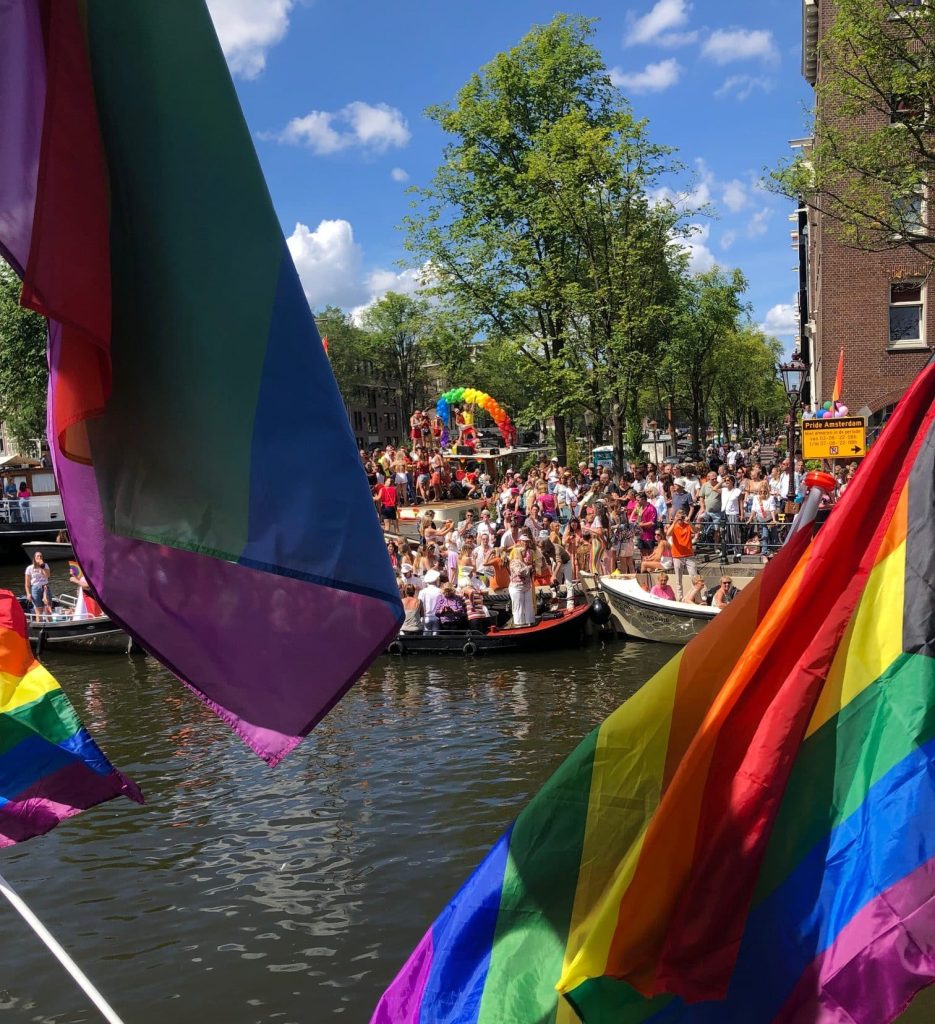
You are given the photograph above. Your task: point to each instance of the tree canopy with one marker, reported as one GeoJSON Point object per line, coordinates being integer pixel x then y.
{"type": "Point", "coordinates": [23, 370]}
{"type": "Point", "coordinates": [872, 150]}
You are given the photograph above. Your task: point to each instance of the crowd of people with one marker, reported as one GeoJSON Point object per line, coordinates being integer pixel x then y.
{"type": "Point", "coordinates": [545, 526]}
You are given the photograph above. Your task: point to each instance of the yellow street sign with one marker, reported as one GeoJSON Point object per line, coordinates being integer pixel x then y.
{"type": "Point", "coordinates": [843, 438]}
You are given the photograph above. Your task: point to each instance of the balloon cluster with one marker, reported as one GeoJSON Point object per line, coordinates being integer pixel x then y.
{"type": "Point", "coordinates": [829, 411]}
{"type": "Point", "coordinates": [472, 396]}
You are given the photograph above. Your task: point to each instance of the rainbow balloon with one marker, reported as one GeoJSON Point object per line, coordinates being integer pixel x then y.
{"type": "Point", "coordinates": [471, 396]}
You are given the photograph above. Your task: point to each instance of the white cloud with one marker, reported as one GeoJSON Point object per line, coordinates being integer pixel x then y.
{"type": "Point", "coordinates": [728, 239]}
{"type": "Point", "coordinates": [653, 78]}
{"type": "Point", "coordinates": [696, 197]}
{"type": "Point", "coordinates": [374, 127]}
{"type": "Point", "coordinates": [782, 320]}
{"type": "Point", "coordinates": [700, 257]}
{"type": "Point", "coordinates": [398, 174]}
{"type": "Point", "coordinates": [741, 87]}
{"type": "Point", "coordinates": [655, 26]}
{"type": "Point", "coordinates": [724, 46]}
{"type": "Point", "coordinates": [381, 281]}
{"type": "Point", "coordinates": [247, 29]}
{"type": "Point", "coordinates": [329, 263]}
{"type": "Point", "coordinates": [734, 195]}
{"type": "Point", "coordinates": [377, 127]}
{"type": "Point", "coordinates": [759, 222]}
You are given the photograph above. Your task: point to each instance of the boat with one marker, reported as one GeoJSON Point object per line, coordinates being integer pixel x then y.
{"type": "Point", "coordinates": [37, 517]}
{"type": "Point", "coordinates": [97, 634]}
{"type": "Point", "coordinates": [494, 462]}
{"type": "Point", "coordinates": [562, 628]}
{"type": "Point", "coordinates": [645, 617]}
{"type": "Point", "coordinates": [52, 551]}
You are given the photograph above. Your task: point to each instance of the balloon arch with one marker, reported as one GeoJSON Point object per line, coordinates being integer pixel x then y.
{"type": "Point", "coordinates": [471, 396]}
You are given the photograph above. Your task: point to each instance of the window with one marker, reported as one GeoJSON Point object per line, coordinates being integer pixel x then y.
{"type": "Point", "coordinates": [910, 211]}
{"type": "Point", "coordinates": [372, 397]}
{"type": "Point", "coordinates": [372, 422]}
{"type": "Point", "coordinates": [358, 420]}
{"type": "Point", "coordinates": [907, 322]}
{"type": "Point", "coordinates": [907, 109]}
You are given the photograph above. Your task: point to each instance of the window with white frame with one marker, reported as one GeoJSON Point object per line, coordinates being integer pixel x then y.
{"type": "Point", "coordinates": [909, 210]}
{"type": "Point", "coordinates": [907, 314]}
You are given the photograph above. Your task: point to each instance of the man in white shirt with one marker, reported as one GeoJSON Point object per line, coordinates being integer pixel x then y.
{"type": "Point", "coordinates": [428, 596]}
{"type": "Point", "coordinates": [508, 540]}
{"type": "Point", "coordinates": [731, 496]}
{"type": "Point", "coordinates": [485, 525]}
{"type": "Point", "coordinates": [784, 480]}
{"type": "Point", "coordinates": [409, 576]}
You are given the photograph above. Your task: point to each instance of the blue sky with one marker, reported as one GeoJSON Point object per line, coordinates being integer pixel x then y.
{"type": "Point", "coordinates": [334, 94]}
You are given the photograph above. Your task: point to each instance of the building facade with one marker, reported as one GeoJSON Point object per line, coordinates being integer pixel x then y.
{"type": "Point", "coordinates": [878, 306]}
{"type": "Point", "coordinates": [373, 409]}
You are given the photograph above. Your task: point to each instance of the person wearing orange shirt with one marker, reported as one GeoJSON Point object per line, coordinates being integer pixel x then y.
{"type": "Point", "coordinates": [681, 537]}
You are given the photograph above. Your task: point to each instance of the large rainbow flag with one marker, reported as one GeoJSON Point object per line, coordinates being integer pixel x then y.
{"type": "Point", "coordinates": [210, 479]}
{"type": "Point", "coordinates": [50, 768]}
{"type": "Point", "coordinates": [751, 837]}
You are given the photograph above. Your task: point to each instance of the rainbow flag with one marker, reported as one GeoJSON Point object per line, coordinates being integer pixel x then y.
{"type": "Point", "coordinates": [838, 378]}
{"type": "Point", "coordinates": [210, 479]}
{"type": "Point", "coordinates": [751, 837]}
{"type": "Point", "coordinates": [50, 768]}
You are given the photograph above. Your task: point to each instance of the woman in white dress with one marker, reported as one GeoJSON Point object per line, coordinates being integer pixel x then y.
{"type": "Point", "coordinates": [522, 567]}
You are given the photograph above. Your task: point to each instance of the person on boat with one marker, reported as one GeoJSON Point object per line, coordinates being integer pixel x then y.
{"type": "Point", "coordinates": [36, 585]}
{"type": "Point", "coordinates": [450, 608]}
{"type": "Point", "coordinates": [485, 526]}
{"type": "Point", "coordinates": [474, 592]}
{"type": "Point", "coordinates": [11, 495]}
{"type": "Point", "coordinates": [415, 427]}
{"type": "Point", "coordinates": [681, 536]}
{"type": "Point", "coordinates": [86, 607]}
{"type": "Point", "coordinates": [429, 596]}
{"type": "Point", "coordinates": [660, 558]}
{"type": "Point", "coordinates": [661, 587]}
{"type": "Point", "coordinates": [24, 495]}
{"type": "Point", "coordinates": [387, 499]}
{"type": "Point", "coordinates": [574, 544]}
{"type": "Point", "coordinates": [522, 566]}
{"type": "Point", "coordinates": [644, 517]}
{"type": "Point", "coordinates": [409, 577]}
{"type": "Point", "coordinates": [697, 594]}
{"type": "Point", "coordinates": [724, 593]}
{"type": "Point", "coordinates": [452, 556]}
{"type": "Point", "coordinates": [412, 607]}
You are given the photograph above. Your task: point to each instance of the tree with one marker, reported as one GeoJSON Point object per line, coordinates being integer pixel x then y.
{"type": "Point", "coordinates": [746, 383]}
{"type": "Point", "coordinates": [707, 315]}
{"type": "Point", "coordinates": [23, 370]}
{"type": "Point", "coordinates": [398, 327]}
{"type": "Point", "coordinates": [348, 347]}
{"type": "Point", "coordinates": [873, 148]}
{"type": "Point", "coordinates": [525, 221]}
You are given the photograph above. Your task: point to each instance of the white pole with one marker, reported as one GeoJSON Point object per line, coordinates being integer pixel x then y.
{"type": "Point", "coordinates": [63, 958]}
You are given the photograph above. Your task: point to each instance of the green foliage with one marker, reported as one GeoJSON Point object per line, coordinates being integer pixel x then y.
{"type": "Point", "coordinates": [873, 149]}
{"type": "Point", "coordinates": [23, 370]}
{"type": "Point", "coordinates": [397, 329]}
{"type": "Point", "coordinates": [536, 224]}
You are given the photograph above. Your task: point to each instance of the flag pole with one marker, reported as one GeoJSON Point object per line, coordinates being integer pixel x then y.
{"type": "Point", "coordinates": [819, 484]}
{"type": "Point", "coordinates": [58, 951]}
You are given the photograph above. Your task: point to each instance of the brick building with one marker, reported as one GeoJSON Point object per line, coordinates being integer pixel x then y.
{"type": "Point", "coordinates": [878, 306]}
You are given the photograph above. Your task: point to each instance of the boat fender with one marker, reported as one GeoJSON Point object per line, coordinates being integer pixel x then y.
{"type": "Point", "coordinates": [396, 647]}
{"type": "Point", "coordinates": [469, 649]}
{"type": "Point", "coordinates": [40, 642]}
{"type": "Point", "coordinates": [600, 612]}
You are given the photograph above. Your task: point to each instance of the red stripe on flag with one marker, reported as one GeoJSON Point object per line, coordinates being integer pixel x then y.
{"type": "Point", "coordinates": [757, 745]}
{"type": "Point", "coordinates": [68, 272]}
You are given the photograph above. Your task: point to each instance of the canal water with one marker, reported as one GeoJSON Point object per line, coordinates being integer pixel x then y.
{"type": "Point", "coordinates": [244, 894]}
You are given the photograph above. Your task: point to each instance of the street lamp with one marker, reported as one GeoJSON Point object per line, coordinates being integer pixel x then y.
{"type": "Point", "coordinates": [588, 420]}
{"type": "Point", "coordinates": [792, 373]}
